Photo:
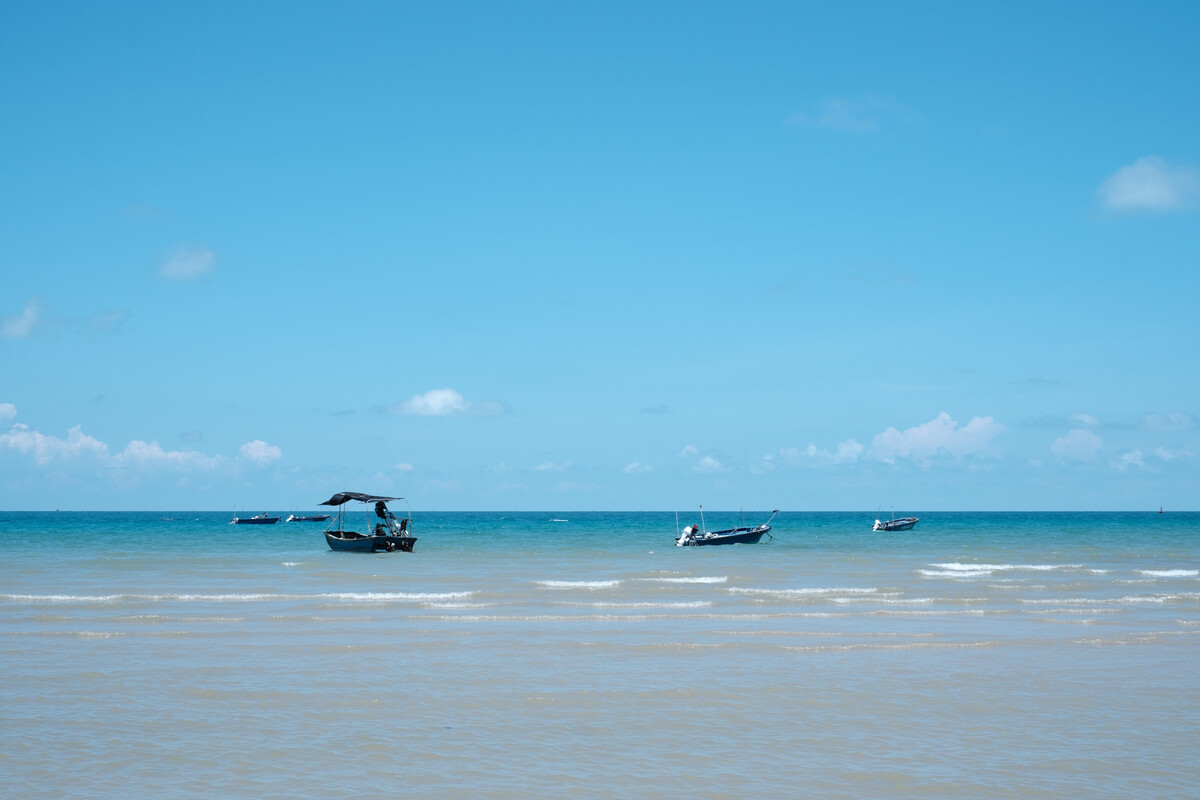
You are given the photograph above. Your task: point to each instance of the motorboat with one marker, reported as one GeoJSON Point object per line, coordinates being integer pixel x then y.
{"type": "Point", "coordinates": [697, 536]}
{"type": "Point", "coordinates": [388, 535]}
{"type": "Point", "coordinates": [309, 518]}
{"type": "Point", "coordinates": [893, 524]}
{"type": "Point", "coordinates": [257, 519]}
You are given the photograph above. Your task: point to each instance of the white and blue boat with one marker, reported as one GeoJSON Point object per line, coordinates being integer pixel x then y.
{"type": "Point", "coordinates": [697, 536]}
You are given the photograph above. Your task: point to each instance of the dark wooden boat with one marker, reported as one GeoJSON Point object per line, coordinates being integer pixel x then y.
{"type": "Point", "coordinates": [310, 518]}
{"type": "Point", "coordinates": [388, 535]}
{"type": "Point", "coordinates": [257, 519]}
{"type": "Point", "coordinates": [696, 536]}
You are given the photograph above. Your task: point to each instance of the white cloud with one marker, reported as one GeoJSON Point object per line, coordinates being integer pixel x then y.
{"type": "Point", "coordinates": [106, 323]}
{"type": "Point", "coordinates": [1131, 459]}
{"type": "Point", "coordinates": [856, 115]}
{"type": "Point", "coordinates": [1175, 421]}
{"type": "Point", "coordinates": [1084, 420]}
{"type": "Point", "coordinates": [569, 486]}
{"type": "Point", "coordinates": [707, 464]}
{"type": "Point", "coordinates": [550, 466]}
{"type": "Point", "coordinates": [1078, 445]}
{"type": "Point", "coordinates": [688, 450]}
{"type": "Point", "coordinates": [941, 434]}
{"type": "Point", "coordinates": [403, 467]}
{"type": "Point", "coordinates": [1171, 455]}
{"type": "Point", "coordinates": [444, 403]}
{"type": "Point", "coordinates": [50, 448]}
{"type": "Point", "coordinates": [7, 411]}
{"type": "Point", "coordinates": [636, 467]}
{"type": "Point", "coordinates": [260, 452]}
{"type": "Point", "coordinates": [20, 326]}
{"type": "Point", "coordinates": [188, 263]}
{"type": "Point", "coordinates": [846, 452]}
{"type": "Point", "coordinates": [142, 454]}
{"type": "Point", "coordinates": [1150, 184]}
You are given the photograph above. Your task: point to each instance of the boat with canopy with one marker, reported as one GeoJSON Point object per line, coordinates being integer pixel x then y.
{"type": "Point", "coordinates": [388, 534]}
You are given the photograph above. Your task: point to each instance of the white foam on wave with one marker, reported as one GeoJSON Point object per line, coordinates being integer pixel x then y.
{"type": "Point", "coordinates": [233, 597]}
{"type": "Point", "coordinates": [579, 584]}
{"type": "Point", "coordinates": [375, 597]}
{"type": "Point", "coordinates": [806, 592]}
{"type": "Point", "coordinates": [1160, 598]}
{"type": "Point", "coordinates": [1170, 573]}
{"type": "Point", "coordinates": [960, 570]}
{"type": "Point", "coordinates": [681, 604]}
{"type": "Point", "coordinates": [64, 598]}
{"type": "Point", "coordinates": [699, 579]}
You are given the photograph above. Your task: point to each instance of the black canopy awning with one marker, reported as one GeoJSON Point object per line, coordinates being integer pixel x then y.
{"type": "Point", "coordinates": [346, 497]}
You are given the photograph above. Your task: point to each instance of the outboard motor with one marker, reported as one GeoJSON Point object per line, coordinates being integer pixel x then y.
{"type": "Point", "coordinates": [686, 536]}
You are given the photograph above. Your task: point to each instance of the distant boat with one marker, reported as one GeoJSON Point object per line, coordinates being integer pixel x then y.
{"type": "Point", "coordinates": [893, 524]}
{"type": "Point", "coordinates": [311, 518]}
{"type": "Point", "coordinates": [257, 519]}
{"type": "Point", "coordinates": [389, 534]}
{"type": "Point", "coordinates": [697, 536]}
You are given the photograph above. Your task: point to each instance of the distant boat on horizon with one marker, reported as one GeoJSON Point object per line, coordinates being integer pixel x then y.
{"type": "Point", "coordinates": [257, 519]}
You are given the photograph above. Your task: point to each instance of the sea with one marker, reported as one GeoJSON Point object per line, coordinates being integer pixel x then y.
{"type": "Point", "coordinates": [568, 654]}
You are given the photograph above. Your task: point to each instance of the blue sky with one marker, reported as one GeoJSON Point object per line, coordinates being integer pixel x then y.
{"type": "Point", "coordinates": [600, 256]}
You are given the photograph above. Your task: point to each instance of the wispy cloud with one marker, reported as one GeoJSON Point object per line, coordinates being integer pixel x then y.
{"type": "Point", "coordinates": [21, 324]}
{"type": "Point", "coordinates": [7, 411]}
{"type": "Point", "coordinates": [551, 466]}
{"type": "Point", "coordinates": [151, 454]}
{"type": "Point", "coordinates": [260, 452]}
{"type": "Point", "coordinates": [864, 114]}
{"type": "Point", "coordinates": [846, 452]}
{"type": "Point", "coordinates": [1175, 421]}
{"type": "Point", "coordinates": [188, 263]}
{"type": "Point", "coordinates": [637, 468]}
{"type": "Point", "coordinates": [941, 435]}
{"type": "Point", "coordinates": [46, 449]}
{"type": "Point", "coordinates": [137, 455]}
{"type": "Point", "coordinates": [106, 323]}
{"type": "Point", "coordinates": [444, 403]}
{"type": "Point", "coordinates": [1078, 445]}
{"type": "Point", "coordinates": [1133, 458]}
{"type": "Point", "coordinates": [1150, 184]}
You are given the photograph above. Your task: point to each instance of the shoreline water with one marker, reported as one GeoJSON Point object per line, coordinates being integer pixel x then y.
{"type": "Point", "coordinates": [1043, 655]}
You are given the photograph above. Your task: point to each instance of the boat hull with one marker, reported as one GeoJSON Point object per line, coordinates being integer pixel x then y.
{"type": "Point", "coordinates": [734, 536]}
{"type": "Point", "coordinates": [256, 521]}
{"type": "Point", "coordinates": [317, 518]}
{"type": "Point", "coordinates": [350, 542]}
{"type": "Point", "coordinates": [905, 524]}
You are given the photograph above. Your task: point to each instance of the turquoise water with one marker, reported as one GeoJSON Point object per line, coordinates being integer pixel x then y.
{"type": "Point", "coordinates": [516, 654]}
